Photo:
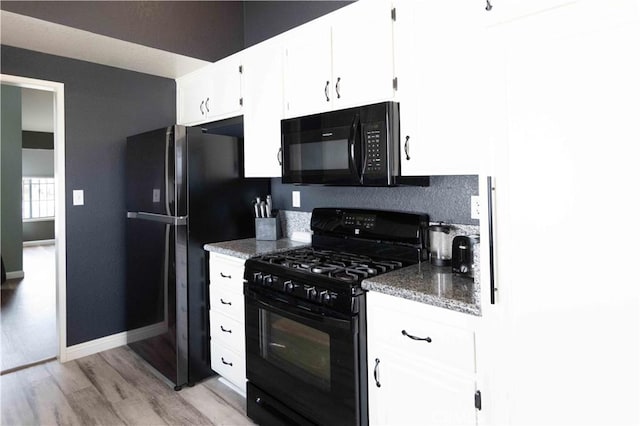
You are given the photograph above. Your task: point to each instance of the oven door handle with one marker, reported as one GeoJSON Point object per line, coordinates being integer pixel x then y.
{"type": "Point", "coordinates": [292, 311]}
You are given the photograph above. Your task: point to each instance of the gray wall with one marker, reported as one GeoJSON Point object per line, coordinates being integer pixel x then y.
{"type": "Point", "coordinates": [103, 105]}
{"type": "Point", "coordinates": [265, 19]}
{"type": "Point", "coordinates": [447, 199]}
{"type": "Point", "coordinates": [208, 30]}
{"type": "Point", "coordinates": [11, 190]}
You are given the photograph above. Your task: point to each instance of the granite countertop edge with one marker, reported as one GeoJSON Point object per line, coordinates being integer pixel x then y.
{"type": "Point", "coordinates": [250, 247]}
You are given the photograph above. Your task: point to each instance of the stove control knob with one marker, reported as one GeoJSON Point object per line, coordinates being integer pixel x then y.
{"type": "Point", "coordinates": [288, 286]}
{"type": "Point", "coordinates": [312, 293]}
{"type": "Point", "coordinates": [267, 280]}
{"type": "Point", "coordinates": [325, 297]}
{"type": "Point", "coordinates": [257, 277]}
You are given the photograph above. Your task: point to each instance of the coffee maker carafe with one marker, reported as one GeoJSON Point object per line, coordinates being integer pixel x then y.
{"type": "Point", "coordinates": [440, 244]}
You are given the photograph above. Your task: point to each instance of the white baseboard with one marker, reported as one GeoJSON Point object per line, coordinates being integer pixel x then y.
{"type": "Point", "coordinates": [38, 243]}
{"type": "Point", "coordinates": [15, 274]}
{"type": "Point", "coordinates": [113, 341]}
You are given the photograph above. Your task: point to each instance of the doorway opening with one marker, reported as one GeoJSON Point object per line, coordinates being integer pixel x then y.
{"type": "Point", "coordinates": [34, 295]}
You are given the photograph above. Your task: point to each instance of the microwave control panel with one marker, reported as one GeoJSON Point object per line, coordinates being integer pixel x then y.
{"type": "Point", "coordinates": [375, 152]}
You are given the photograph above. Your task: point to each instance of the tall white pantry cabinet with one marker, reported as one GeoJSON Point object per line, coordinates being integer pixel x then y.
{"type": "Point", "coordinates": [560, 346]}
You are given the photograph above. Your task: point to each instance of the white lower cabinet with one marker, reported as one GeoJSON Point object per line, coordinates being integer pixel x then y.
{"type": "Point", "coordinates": [421, 371]}
{"type": "Point", "coordinates": [226, 319]}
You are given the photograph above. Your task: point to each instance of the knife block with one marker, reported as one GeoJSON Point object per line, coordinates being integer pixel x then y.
{"type": "Point", "coordinates": [267, 228]}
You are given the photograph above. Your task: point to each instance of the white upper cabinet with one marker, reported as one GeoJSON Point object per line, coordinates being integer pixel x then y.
{"type": "Point", "coordinates": [213, 92]}
{"type": "Point", "coordinates": [362, 44]}
{"type": "Point", "coordinates": [227, 87]}
{"type": "Point", "coordinates": [307, 78]}
{"type": "Point", "coordinates": [263, 95]}
{"type": "Point", "coordinates": [194, 95]}
{"type": "Point", "coordinates": [343, 60]}
{"type": "Point", "coordinates": [440, 54]}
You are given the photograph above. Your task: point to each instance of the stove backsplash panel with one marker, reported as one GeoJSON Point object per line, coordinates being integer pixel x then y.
{"type": "Point", "coordinates": [447, 199]}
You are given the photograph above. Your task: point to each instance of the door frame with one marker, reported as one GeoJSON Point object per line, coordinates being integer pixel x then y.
{"type": "Point", "coordinates": [60, 219]}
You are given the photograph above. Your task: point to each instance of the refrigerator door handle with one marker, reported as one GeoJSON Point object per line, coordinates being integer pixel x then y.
{"type": "Point", "coordinates": [170, 220]}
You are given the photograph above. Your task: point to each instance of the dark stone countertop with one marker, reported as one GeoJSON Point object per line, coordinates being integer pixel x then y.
{"type": "Point", "coordinates": [436, 286]}
{"type": "Point", "coordinates": [249, 247]}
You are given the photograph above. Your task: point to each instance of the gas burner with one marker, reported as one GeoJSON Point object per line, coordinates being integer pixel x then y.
{"type": "Point", "coordinates": [323, 269]}
{"type": "Point", "coordinates": [344, 275]}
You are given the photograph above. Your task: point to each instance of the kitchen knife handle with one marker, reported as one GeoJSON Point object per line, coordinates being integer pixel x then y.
{"type": "Point", "coordinates": [375, 373]}
{"type": "Point", "coordinates": [424, 339]}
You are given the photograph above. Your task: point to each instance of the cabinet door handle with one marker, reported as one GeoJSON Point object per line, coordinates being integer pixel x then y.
{"type": "Point", "coordinates": [376, 373]}
{"type": "Point", "coordinates": [406, 147]}
{"type": "Point", "coordinates": [201, 105]}
{"type": "Point", "coordinates": [206, 104]}
{"type": "Point", "coordinates": [225, 303]}
{"type": "Point", "coordinates": [279, 156]}
{"type": "Point", "coordinates": [492, 272]}
{"type": "Point", "coordinates": [425, 339]}
{"type": "Point", "coordinates": [230, 364]}
{"type": "Point", "coordinates": [224, 330]}
{"type": "Point", "coordinates": [224, 276]}
{"type": "Point", "coordinates": [338, 87]}
{"type": "Point", "coordinates": [326, 90]}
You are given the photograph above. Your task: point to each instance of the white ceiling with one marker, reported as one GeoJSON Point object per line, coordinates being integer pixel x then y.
{"type": "Point", "coordinates": [55, 39]}
{"type": "Point", "coordinates": [37, 110]}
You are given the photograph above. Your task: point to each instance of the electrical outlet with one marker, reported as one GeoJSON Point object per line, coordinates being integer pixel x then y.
{"type": "Point", "coordinates": [295, 198]}
{"type": "Point", "coordinates": [475, 207]}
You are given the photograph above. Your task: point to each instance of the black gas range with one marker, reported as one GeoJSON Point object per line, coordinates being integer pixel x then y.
{"type": "Point", "coordinates": [305, 315]}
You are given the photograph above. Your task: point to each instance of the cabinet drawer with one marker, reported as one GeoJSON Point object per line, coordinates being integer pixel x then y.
{"type": "Point", "coordinates": [226, 273]}
{"type": "Point", "coordinates": [227, 331]}
{"type": "Point", "coordinates": [450, 346]}
{"type": "Point", "coordinates": [229, 365]}
{"type": "Point", "coordinates": [228, 303]}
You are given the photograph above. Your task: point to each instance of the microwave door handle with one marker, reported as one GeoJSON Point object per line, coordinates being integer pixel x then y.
{"type": "Point", "coordinates": [352, 155]}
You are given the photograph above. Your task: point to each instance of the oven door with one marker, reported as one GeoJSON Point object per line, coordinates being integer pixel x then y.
{"type": "Point", "coordinates": [305, 359]}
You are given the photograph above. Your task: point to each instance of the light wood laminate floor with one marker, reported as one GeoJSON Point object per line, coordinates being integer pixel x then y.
{"type": "Point", "coordinates": [28, 311]}
{"type": "Point", "coordinates": [114, 387]}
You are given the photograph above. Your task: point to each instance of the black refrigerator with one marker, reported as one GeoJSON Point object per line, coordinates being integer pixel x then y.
{"type": "Point", "coordinates": [185, 188]}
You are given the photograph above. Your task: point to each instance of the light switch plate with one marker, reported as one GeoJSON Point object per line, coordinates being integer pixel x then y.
{"type": "Point", "coordinates": [78, 197]}
{"type": "Point", "coordinates": [295, 198]}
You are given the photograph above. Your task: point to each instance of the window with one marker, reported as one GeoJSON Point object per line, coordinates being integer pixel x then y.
{"type": "Point", "coordinates": [38, 198]}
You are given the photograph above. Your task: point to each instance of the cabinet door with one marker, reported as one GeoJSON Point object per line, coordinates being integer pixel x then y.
{"type": "Point", "coordinates": [263, 95]}
{"type": "Point", "coordinates": [573, 97]}
{"type": "Point", "coordinates": [362, 54]}
{"type": "Point", "coordinates": [193, 92]}
{"type": "Point", "coordinates": [307, 81]}
{"type": "Point", "coordinates": [439, 55]}
{"type": "Point", "coordinates": [414, 393]}
{"type": "Point", "coordinates": [227, 85]}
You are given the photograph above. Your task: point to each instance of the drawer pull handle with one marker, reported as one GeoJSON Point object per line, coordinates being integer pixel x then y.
{"type": "Point", "coordinates": [230, 364]}
{"type": "Point", "coordinates": [375, 373]}
{"type": "Point", "coordinates": [224, 276]}
{"type": "Point", "coordinates": [225, 303]}
{"type": "Point", "coordinates": [425, 339]}
{"type": "Point", "coordinates": [225, 330]}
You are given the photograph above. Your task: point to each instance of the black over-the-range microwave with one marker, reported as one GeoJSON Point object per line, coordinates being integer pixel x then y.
{"type": "Point", "coordinates": [354, 146]}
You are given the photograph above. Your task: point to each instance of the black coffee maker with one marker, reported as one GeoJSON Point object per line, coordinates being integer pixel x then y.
{"type": "Point", "coordinates": [463, 248]}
